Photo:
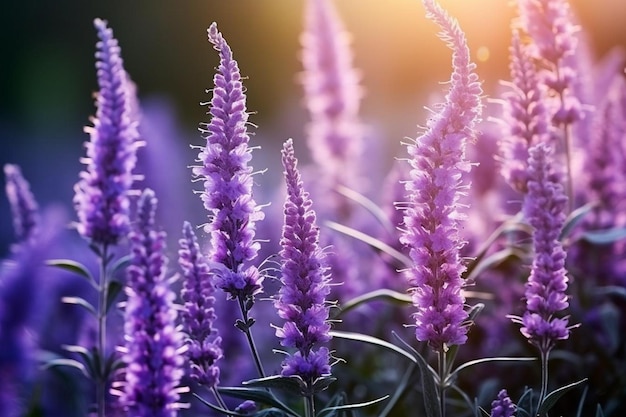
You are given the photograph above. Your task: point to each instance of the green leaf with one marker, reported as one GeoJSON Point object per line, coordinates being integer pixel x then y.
{"type": "Point", "coordinates": [554, 396]}
{"type": "Point", "coordinates": [484, 360]}
{"type": "Point", "coordinates": [219, 409]}
{"type": "Point", "coordinates": [75, 267]}
{"type": "Point", "coordinates": [258, 395]}
{"type": "Point", "coordinates": [114, 289]}
{"type": "Point", "coordinates": [66, 362]}
{"type": "Point", "coordinates": [369, 205]}
{"type": "Point", "coordinates": [320, 384]}
{"type": "Point", "coordinates": [483, 412]}
{"type": "Point", "coordinates": [599, 412]}
{"type": "Point", "coordinates": [382, 294]}
{"type": "Point", "coordinates": [525, 403]}
{"type": "Point", "coordinates": [492, 261]}
{"type": "Point", "coordinates": [372, 241]}
{"type": "Point", "coordinates": [399, 391]}
{"type": "Point", "coordinates": [373, 341]}
{"type": "Point", "coordinates": [604, 237]}
{"type": "Point", "coordinates": [575, 218]}
{"type": "Point", "coordinates": [581, 403]}
{"type": "Point", "coordinates": [86, 356]}
{"type": "Point", "coordinates": [80, 302]}
{"type": "Point", "coordinates": [429, 383]}
{"type": "Point", "coordinates": [326, 411]}
{"type": "Point", "coordinates": [120, 265]}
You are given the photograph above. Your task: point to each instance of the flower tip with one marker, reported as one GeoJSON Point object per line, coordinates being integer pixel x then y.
{"type": "Point", "coordinates": [214, 34]}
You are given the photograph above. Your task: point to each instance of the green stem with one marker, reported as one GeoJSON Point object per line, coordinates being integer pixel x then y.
{"type": "Point", "coordinates": [219, 399]}
{"type": "Point", "coordinates": [248, 333]}
{"type": "Point", "coordinates": [101, 378]}
{"type": "Point", "coordinates": [544, 353]}
{"type": "Point", "coordinates": [441, 354]}
{"type": "Point", "coordinates": [309, 406]}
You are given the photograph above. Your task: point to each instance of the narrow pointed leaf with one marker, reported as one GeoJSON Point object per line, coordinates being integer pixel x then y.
{"type": "Point", "coordinates": [554, 396]}
{"type": "Point", "coordinates": [325, 412]}
{"type": "Point", "coordinates": [258, 395]}
{"type": "Point", "coordinates": [382, 294]}
{"type": "Point", "coordinates": [218, 409]}
{"type": "Point", "coordinates": [604, 237]}
{"type": "Point", "coordinates": [371, 340]}
{"type": "Point", "coordinates": [575, 218]}
{"type": "Point", "coordinates": [81, 302]}
{"type": "Point", "coordinates": [75, 267]}
{"type": "Point", "coordinates": [485, 360]}
{"type": "Point", "coordinates": [67, 362]}
{"type": "Point", "coordinates": [369, 205]}
{"type": "Point", "coordinates": [115, 287]}
{"type": "Point", "coordinates": [292, 385]}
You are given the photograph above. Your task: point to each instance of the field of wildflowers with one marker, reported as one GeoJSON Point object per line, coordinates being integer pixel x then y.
{"type": "Point", "coordinates": [484, 274]}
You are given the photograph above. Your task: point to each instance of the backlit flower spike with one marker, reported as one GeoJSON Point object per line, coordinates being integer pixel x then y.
{"type": "Point", "coordinates": [437, 181]}
{"type": "Point", "coordinates": [305, 283]}
{"type": "Point", "coordinates": [101, 198]}
{"type": "Point", "coordinates": [544, 208]}
{"type": "Point", "coordinates": [332, 96]}
{"type": "Point", "coordinates": [228, 180]}
{"type": "Point", "coordinates": [526, 119]}
{"type": "Point", "coordinates": [23, 205]}
{"type": "Point", "coordinates": [154, 350]}
{"type": "Point", "coordinates": [502, 406]}
{"type": "Point", "coordinates": [198, 315]}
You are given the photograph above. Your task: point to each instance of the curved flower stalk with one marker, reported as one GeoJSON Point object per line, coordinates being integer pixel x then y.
{"type": "Point", "coordinates": [24, 207]}
{"type": "Point", "coordinates": [437, 181]}
{"type": "Point", "coordinates": [332, 96]}
{"type": "Point", "coordinates": [154, 347]}
{"type": "Point", "coordinates": [305, 282]}
{"type": "Point", "coordinates": [198, 315]}
{"type": "Point", "coordinates": [228, 189]}
{"type": "Point", "coordinates": [526, 119]}
{"type": "Point", "coordinates": [101, 198]}
{"type": "Point", "coordinates": [502, 406]}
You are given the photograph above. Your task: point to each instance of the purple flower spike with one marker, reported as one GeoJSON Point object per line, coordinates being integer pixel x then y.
{"type": "Point", "coordinates": [228, 180]}
{"type": "Point", "coordinates": [544, 207]}
{"type": "Point", "coordinates": [101, 198]}
{"type": "Point", "coordinates": [527, 121]}
{"type": "Point", "coordinates": [437, 181]}
{"type": "Point", "coordinates": [332, 95]}
{"type": "Point", "coordinates": [302, 297]}
{"type": "Point", "coordinates": [198, 315]}
{"type": "Point", "coordinates": [502, 406]}
{"type": "Point", "coordinates": [23, 205]}
{"type": "Point", "coordinates": [154, 346]}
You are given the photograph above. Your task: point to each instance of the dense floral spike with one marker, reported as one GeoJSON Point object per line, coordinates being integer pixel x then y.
{"type": "Point", "coordinates": [302, 297]}
{"type": "Point", "coordinates": [101, 198]}
{"type": "Point", "coordinates": [153, 351]}
{"type": "Point", "coordinates": [437, 181]}
{"type": "Point", "coordinates": [228, 180]}
{"type": "Point", "coordinates": [204, 344]}
{"type": "Point", "coordinates": [544, 207]}
{"type": "Point", "coordinates": [526, 118]}
{"type": "Point", "coordinates": [23, 204]}
{"type": "Point", "coordinates": [332, 95]}
{"type": "Point", "coordinates": [502, 406]}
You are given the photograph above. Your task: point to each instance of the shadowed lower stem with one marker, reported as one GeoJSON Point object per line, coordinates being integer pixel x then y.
{"type": "Point", "coordinates": [101, 378]}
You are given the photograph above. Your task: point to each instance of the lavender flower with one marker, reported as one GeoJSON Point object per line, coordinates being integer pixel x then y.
{"type": "Point", "coordinates": [228, 180]}
{"type": "Point", "coordinates": [526, 117]}
{"type": "Point", "coordinates": [302, 297]}
{"type": "Point", "coordinates": [502, 406]}
{"type": "Point", "coordinates": [198, 315]}
{"type": "Point", "coordinates": [432, 218]}
{"type": "Point", "coordinates": [544, 207]}
{"type": "Point", "coordinates": [23, 205]}
{"type": "Point", "coordinates": [101, 198]}
{"type": "Point", "coordinates": [332, 96]}
{"type": "Point", "coordinates": [153, 351]}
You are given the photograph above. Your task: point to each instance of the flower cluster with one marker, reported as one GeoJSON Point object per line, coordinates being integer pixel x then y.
{"type": "Point", "coordinates": [23, 205]}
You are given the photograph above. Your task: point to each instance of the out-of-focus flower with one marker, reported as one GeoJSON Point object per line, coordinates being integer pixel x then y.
{"type": "Point", "coordinates": [24, 207]}
{"type": "Point", "coordinates": [101, 198]}
{"type": "Point", "coordinates": [437, 181]}
{"type": "Point", "coordinates": [198, 315]}
{"type": "Point", "coordinates": [502, 406]}
{"type": "Point", "coordinates": [544, 208]}
{"type": "Point", "coordinates": [154, 346]}
{"type": "Point", "coordinates": [228, 180]}
{"type": "Point", "coordinates": [302, 297]}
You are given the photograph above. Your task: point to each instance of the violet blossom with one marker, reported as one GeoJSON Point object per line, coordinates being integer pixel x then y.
{"type": "Point", "coordinates": [437, 181]}
{"type": "Point", "coordinates": [544, 208]}
{"type": "Point", "coordinates": [24, 207]}
{"type": "Point", "coordinates": [101, 199]}
{"type": "Point", "coordinates": [228, 180]}
{"type": "Point", "coordinates": [154, 346]}
{"type": "Point", "coordinates": [502, 406]}
{"type": "Point", "coordinates": [305, 282]}
{"type": "Point", "coordinates": [198, 314]}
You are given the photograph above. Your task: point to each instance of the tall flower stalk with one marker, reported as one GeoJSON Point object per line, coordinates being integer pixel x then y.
{"type": "Point", "coordinates": [24, 208]}
{"type": "Point", "coordinates": [154, 346]}
{"type": "Point", "coordinates": [228, 190]}
{"type": "Point", "coordinates": [432, 218]}
{"type": "Point", "coordinates": [305, 284]}
{"type": "Point", "coordinates": [544, 208]}
{"type": "Point", "coordinates": [102, 193]}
